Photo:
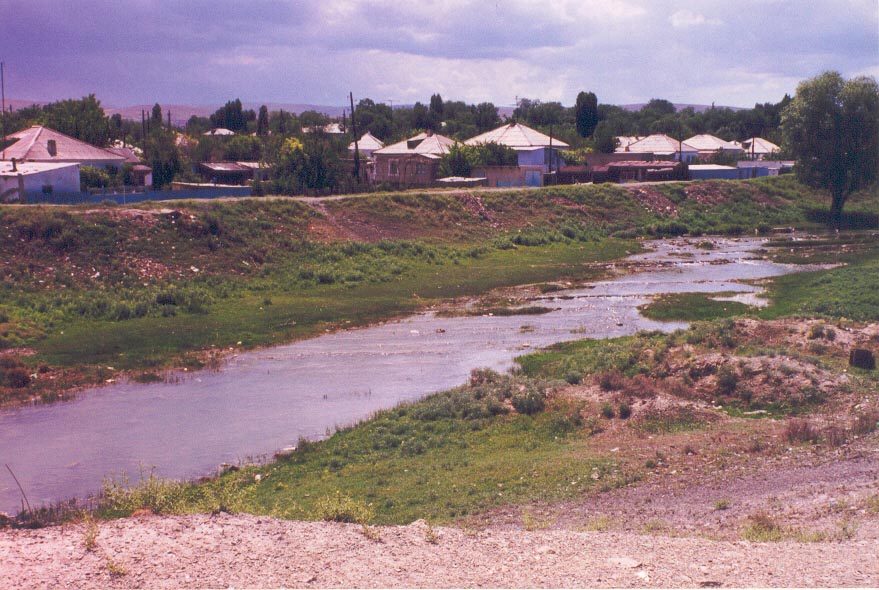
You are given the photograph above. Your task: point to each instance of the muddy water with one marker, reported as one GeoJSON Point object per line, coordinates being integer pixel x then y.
{"type": "Point", "coordinates": [263, 401]}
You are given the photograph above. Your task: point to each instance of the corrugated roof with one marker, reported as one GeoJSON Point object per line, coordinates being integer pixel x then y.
{"type": "Point", "coordinates": [26, 168]}
{"type": "Point", "coordinates": [219, 131]}
{"type": "Point", "coordinates": [658, 143]}
{"type": "Point", "coordinates": [368, 142]}
{"type": "Point", "coordinates": [126, 153]}
{"type": "Point", "coordinates": [760, 146]}
{"type": "Point", "coordinates": [517, 136]}
{"type": "Point", "coordinates": [711, 143]}
{"type": "Point", "coordinates": [33, 145]}
{"type": "Point", "coordinates": [225, 167]}
{"type": "Point", "coordinates": [426, 144]}
{"type": "Point", "coordinates": [698, 167]}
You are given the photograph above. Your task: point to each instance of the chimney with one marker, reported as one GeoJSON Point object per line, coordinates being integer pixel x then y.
{"type": "Point", "coordinates": [14, 169]}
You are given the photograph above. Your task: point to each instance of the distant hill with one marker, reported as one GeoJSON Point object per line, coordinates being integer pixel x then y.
{"type": "Point", "coordinates": [699, 108]}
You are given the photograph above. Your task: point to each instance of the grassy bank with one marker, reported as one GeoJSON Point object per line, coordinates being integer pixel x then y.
{"type": "Point", "coordinates": [86, 292]}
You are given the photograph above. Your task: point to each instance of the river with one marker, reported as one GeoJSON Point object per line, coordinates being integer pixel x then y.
{"type": "Point", "coordinates": [262, 401]}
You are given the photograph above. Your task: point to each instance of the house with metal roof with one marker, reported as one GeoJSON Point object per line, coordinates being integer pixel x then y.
{"type": "Point", "coordinates": [411, 162]}
{"type": "Point", "coordinates": [366, 145]}
{"type": "Point", "coordinates": [21, 181]}
{"type": "Point", "coordinates": [532, 147]}
{"type": "Point", "coordinates": [710, 146]}
{"type": "Point", "coordinates": [757, 148]}
{"type": "Point", "coordinates": [41, 144]}
{"type": "Point", "coordinates": [662, 147]}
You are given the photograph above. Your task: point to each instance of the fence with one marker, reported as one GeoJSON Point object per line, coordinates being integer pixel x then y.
{"type": "Point", "coordinates": [137, 197]}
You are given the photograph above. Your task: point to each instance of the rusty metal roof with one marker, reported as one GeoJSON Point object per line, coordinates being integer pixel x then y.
{"type": "Point", "coordinates": [41, 144]}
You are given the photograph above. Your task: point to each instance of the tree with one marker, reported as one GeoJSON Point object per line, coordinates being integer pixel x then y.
{"type": "Point", "coordinates": [83, 119]}
{"type": "Point", "coordinates": [586, 113]}
{"type": "Point", "coordinates": [262, 121]}
{"type": "Point", "coordinates": [156, 117]}
{"type": "Point", "coordinates": [160, 152]}
{"type": "Point", "coordinates": [604, 139]}
{"type": "Point", "coordinates": [831, 127]}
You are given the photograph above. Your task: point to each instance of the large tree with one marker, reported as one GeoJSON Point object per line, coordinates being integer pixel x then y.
{"type": "Point", "coordinates": [586, 113]}
{"type": "Point", "coordinates": [831, 127]}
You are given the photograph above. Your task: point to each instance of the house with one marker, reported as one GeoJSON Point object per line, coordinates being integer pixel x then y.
{"type": "Point", "coordinates": [219, 132]}
{"type": "Point", "coordinates": [41, 144]}
{"type": "Point", "coordinates": [141, 174]}
{"type": "Point", "coordinates": [662, 147]}
{"type": "Point", "coordinates": [642, 171]}
{"type": "Point", "coordinates": [758, 168]}
{"type": "Point", "coordinates": [329, 129]}
{"type": "Point", "coordinates": [366, 145]}
{"type": "Point", "coordinates": [710, 146]}
{"type": "Point", "coordinates": [20, 179]}
{"type": "Point", "coordinates": [411, 162]}
{"type": "Point", "coordinates": [532, 147]}
{"type": "Point", "coordinates": [713, 172]}
{"type": "Point", "coordinates": [757, 148]}
{"type": "Point", "coordinates": [226, 173]}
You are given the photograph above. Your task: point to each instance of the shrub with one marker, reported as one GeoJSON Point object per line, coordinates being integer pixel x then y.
{"type": "Point", "coordinates": [611, 380]}
{"type": "Point", "coordinates": [801, 430]}
{"type": "Point", "coordinates": [17, 378]}
{"type": "Point", "coordinates": [625, 410]}
{"type": "Point", "coordinates": [727, 381]}
{"type": "Point", "coordinates": [529, 402]}
{"type": "Point", "coordinates": [341, 508]}
{"type": "Point", "coordinates": [607, 410]}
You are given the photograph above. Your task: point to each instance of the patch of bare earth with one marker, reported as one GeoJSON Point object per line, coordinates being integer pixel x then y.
{"type": "Point", "coordinates": [654, 201]}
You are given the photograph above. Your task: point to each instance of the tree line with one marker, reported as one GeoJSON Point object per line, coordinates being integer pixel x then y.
{"type": "Point", "coordinates": [830, 126]}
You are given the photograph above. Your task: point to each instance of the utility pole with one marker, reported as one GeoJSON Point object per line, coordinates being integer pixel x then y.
{"type": "Point", "coordinates": [356, 148]}
{"type": "Point", "coordinates": [3, 112]}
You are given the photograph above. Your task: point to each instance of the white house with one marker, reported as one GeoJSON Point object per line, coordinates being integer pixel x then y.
{"type": "Point", "coordinates": [662, 147]}
{"type": "Point", "coordinates": [41, 144]}
{"type": "Point", "coordinates": [19, 179]}
{"type": "Point", "coordinates": [533, 147]}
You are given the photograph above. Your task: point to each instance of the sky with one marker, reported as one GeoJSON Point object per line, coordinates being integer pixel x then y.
{"type": "Point", "coordinates": [205, 52]}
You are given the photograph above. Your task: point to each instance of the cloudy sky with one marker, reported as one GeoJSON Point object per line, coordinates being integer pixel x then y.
{"type": "Point", "coordinates": [204, 52]}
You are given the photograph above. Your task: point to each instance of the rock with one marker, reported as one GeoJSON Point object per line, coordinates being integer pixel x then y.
{"type": "Point", "coordinates": [626, 562]}
{"type": "Point", "coordinates": [862, 359]}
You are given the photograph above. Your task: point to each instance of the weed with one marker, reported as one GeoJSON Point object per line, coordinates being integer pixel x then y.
{"type": "Point", "coordinates": [655, 525]}
{"type": "Point", "coordinates": [872, 504]}
{"type": "Point", "coordinates": [846, 530]}
{"type": "Point", "coordinates": [722, 504]}
{"type": "Point", "coordinates": [430, 535]}
{"type": "Point", "coordinates": [624, 410]}
{"type": "Point", "coordinates": [607, 411]}
{"type": "Point", "coordinates": [114, 568]}
{"type": "Point", "coordinates": [90, 533]}
{"type": "Point", "coordinates": [762, 528]}
{"type": "Point", "coordinates": [371, 533]}
{"type": "Point", "coordinates": [342, 508]}
{"type": "Point", "coordinates": [801, 430]}
{"type": "Point", "coordinates": [599, 524]}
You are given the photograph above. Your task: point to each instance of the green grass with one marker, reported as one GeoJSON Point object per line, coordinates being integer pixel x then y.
{"type": "Point", "coordinates": [692, 307]}
{"type": "Point", "coordinates": [851, 291]}
{"type": "Point", "coordinates": [449, 456]}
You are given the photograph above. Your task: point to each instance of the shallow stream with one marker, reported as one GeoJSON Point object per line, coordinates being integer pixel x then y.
{"type": "Point", "coordinates": [262, 401]}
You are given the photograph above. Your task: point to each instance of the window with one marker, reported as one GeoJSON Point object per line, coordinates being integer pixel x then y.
{"type": "Point", "coordinates": [420, 168]}
{"type": "Point", "coordinates": [393, 169]}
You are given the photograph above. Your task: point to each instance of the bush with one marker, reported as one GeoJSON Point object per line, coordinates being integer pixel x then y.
{"type": "Point", "coordinates": [341, 508]}
{"type": "Point", "coordinates": [625, 410]}
{"type": "Point", "coordinates": [607, 410]}
{"type": "Point", "coordinates": [801, 430]}
{"type": "Point", "coordinates": [611, 380]}
{"type": "Point", "coordinates": [17, 378]}
{"type": "Point", "coordinates": [529, 402]}
{"type": "Point", "coordinates": [727, 381]}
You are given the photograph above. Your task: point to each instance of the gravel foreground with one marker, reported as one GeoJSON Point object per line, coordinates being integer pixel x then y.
{"type": "Point", "coordinates": [245, 551]}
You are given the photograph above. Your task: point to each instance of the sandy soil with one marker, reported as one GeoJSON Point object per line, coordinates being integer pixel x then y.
{"type": "Point", "coordinates": [247, 551]}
